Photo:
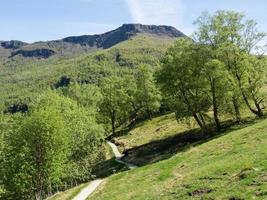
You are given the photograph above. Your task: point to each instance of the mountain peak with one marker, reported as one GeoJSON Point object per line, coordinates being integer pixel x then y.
{"type": "Point", "coordinates": [85, 43]}
{"type": "Point", "coordinates": [126, 31]}
{"type": "Point", "coordinates": [153, 29]}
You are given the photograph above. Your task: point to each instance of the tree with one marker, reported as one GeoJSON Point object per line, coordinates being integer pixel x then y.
{"type": "Point", "coordinates": [218, 86]}
{"type": "Point", "coordinates": [115, 103]}
{"type": "Point", "coordinates": [37, 154]}
{"type": "Point", "coordinates": [235, 37]}
{"type": "Point", "coordinates": [254, 86]}
{"type": "Point", "coordinates": [181, 81]}
{"type": "Point", "coordinates": [57, 141]}
{"type": "Point", "coordinates": [227, 27]}
{"type": "Point", "coordinates": [247, 72]}
{"type": "Point", "coordinates": [85, 134]}
{"type": "Point", "coordinates": [86, 95]}
{"type": "Point", "coordinates": [148, 96]}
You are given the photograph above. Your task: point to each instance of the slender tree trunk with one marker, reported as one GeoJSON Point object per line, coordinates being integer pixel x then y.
{"type": "Point", "coordinates": [113, 123]}
{"type": "Point", "coordinates": [257, 105]}
{"type": "Point", "coordinates": [113, 127]}
{"type": "Point", "coordinates": [198, 120]}
{"type": "Point", "coordinates": [203, 123]}
{"type": "Point", "coordinates": [260, 112]}
{"type": "Point", "coordinates": [256, 112]}
{"type": "Point", "coordinates": [149, 114]}
{"type": "Point", "coordinates": [38, 195]}
{"type": "Point", "coordinates": [237, 110]}
{"type": "Point", "coordinates": [132, 120]}
{"type": "Point", "coordinates": [215, 107]}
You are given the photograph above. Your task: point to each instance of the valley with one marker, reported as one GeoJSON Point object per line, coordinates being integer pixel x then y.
{"type": "Point", "coordinates": [139, 112]}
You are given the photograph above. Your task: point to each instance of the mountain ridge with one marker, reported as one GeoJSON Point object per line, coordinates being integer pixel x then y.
{"type": "Point", "coordinates": [84, 43]}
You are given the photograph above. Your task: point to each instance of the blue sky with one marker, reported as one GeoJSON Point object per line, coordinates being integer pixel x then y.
{"type": "Point", "coordinates": [34, 20]}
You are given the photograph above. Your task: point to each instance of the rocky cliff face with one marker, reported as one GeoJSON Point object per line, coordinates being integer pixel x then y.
{"type": "Point", "coordinates": [13, 44]}
{"type": "Point", "coordinates": [85, 43]}
{"type": "Point", "coordinates": [123, 33]}
{"type": "Point", "coordinates": [37, 53]}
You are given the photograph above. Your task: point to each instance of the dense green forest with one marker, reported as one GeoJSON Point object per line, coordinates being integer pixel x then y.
{"type": "Point", "coordinates": [56, 113]}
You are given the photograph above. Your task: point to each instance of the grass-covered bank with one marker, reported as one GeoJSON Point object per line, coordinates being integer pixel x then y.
{"type": "Point", "coordinates": [68, 194]}
{"type": "Point", "coordinates": [160, 127]}
{"type": "Point", "coordinates": [229, 167]}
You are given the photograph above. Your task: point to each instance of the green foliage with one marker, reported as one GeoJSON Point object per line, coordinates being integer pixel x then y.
{"type": "Point", "coordinates": [60, 139]}
{"type": "Point", "coordinates": [218, 91]}
{"type": "Point", "coordinates": [115, 105]}
{"type": "Point", "coordinates": [85, 134]}
{"type": "Point", "coordinates": [233, 38]}
{"type": "Point", "coordinates": [128, 97]}
{"type": "Point", "coordinates": [147, 95]}
{"type": "Point", "coordinates": [216, 70]}
{"type": "Point", "coordinates": [57, 143]}
{"type": "Point", "coordinates": [23, 80]}
{"type": "Point", "coordinates": [87, 95]}
{"type": "Point", "coordinates": [182, 82]}
{"type": "Point", "coordinates": [227, 27]}
{"type": "Point", "coordinates": [36, 154]}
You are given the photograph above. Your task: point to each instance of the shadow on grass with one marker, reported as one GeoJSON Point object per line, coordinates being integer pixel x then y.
{"type": "Point", "coordinates": [165, 148]}
{"type": "Point", "coordinates": [107, 168]}
{"type": "Point", "coordinates": [138, 123]}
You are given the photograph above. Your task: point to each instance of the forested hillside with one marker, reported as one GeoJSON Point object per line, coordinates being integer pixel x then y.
{"type": "Point", "coordinates": [58, 113]}
{"type": "Point", "coordinates": [22, 80]}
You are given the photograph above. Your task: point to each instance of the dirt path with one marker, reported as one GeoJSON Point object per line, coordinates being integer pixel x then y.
{"type": "Point", "coordinates": [86, 192]}
{"type": "Point", "coordinates": [119, 156]}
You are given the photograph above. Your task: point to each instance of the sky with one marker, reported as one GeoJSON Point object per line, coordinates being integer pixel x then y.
{"type": "Point", "coordinates": [36, 20]}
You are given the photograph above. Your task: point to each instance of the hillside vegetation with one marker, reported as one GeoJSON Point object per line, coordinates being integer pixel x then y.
{"type": "Point", "coordinates": [58, 113]}
{"type": "Point", "coordinates": [229, 167]}
{"type": "Point", "coordinates": [22, 80]}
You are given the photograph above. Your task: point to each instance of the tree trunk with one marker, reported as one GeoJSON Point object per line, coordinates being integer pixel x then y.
{"type": "Point", "coordinates": [38, 195]}
{"type": "Point", "coordinates": [198, 120]}
{"type": "Point", "coordinates": [113, 123]}
{"type": "Point", "coordinates": [133, 119]}
{"type": "Point", "coordinates": [257, 105]}
{"type": "Point", "coordinates": [113, 126]}
{"type": "Point", "coordinates": [215, 107]}
{"type": "Point", "coordinates": [256, 112]}
{"type": "Point", "coordinates": [205, 130]}
{"type": "Point", "coordinates": [149, 114]}
{"type": "Point", "coordinates": [237, 110]}
{"type": "Point", "coordinates": [260, 113]}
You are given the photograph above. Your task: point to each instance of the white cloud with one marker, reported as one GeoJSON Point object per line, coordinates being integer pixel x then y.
{"type": "Point", "coordinates": [169, 12]}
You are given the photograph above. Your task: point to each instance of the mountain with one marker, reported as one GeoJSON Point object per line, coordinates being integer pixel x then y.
{"type": "Point", "coordinates": [28, 69]}
{"type": "Point", "coordinates": [85, 43]}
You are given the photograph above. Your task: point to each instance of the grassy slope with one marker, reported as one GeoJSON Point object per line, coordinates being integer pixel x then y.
{"type": "Point", "coordinates": [233, 166]}
{"type": "Point", "coordinates": [68, 194]}
{"type": "Point", "coordinates": [152, 130]}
